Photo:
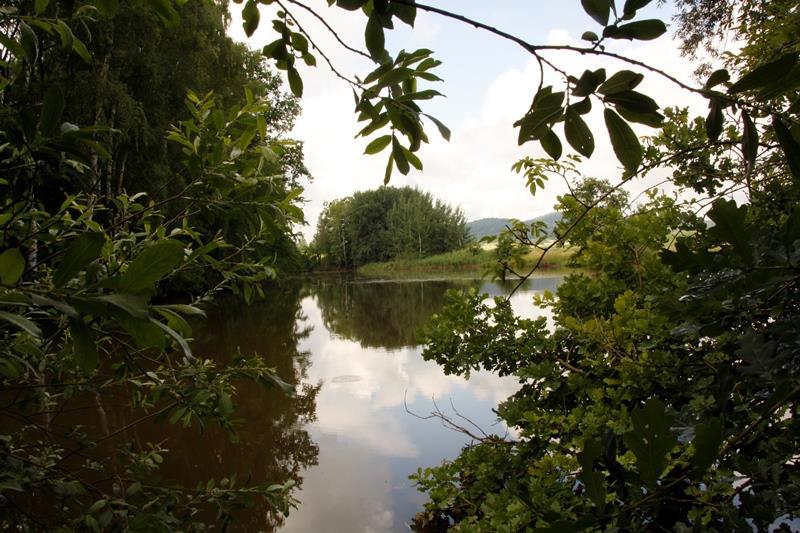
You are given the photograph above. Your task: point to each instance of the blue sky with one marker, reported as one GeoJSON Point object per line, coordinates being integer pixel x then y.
{"type": "Point", "coordinates": [489, 83]}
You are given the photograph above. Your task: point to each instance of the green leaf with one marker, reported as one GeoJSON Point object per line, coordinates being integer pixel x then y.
{"type": "Point", "coordinates": [378, 144]}
{"type": "Point", "coordinates": [23, 323]}
{"type": "Point", "coordinates": [299, 42]}
{"type": "Point", "coordinates": [79, 48]}
{"type": "Point", "coordinates": [552, 144]}
{"type": "Point", "coordinates": [599, 10]}
{"type": "Point", "coordinates": [83, 346]}
{"type": "Point", "coordinates": [250, 17]}
{"type": "Point", "coordinates": [134, 305]}
{"type": "Point", "coordinates": [52, 108]}
{"type": "Point", "coordinates": [707, 441]}
{"type": "Point", "coordinates": [395, 76]}
{"type": "Point", "coordinates": [295, 81]}
{"type": "Point", "coordinates": [406, 13]}
{"type": "Point", "coordinates": [626, 145]}
{"type": "Point", "coordinates": [587, 84]}
{"type": "Point", "coordinates": [65, 33]}
{"type": "Point", "coordinates": [717, 77]}
{"type": "Point", "coordinates": [578, 134]}
{"type": "Point", "coordinates": [144, 333]}
{"type": "Point", "coordinates": [64, 307]}
{"type": "Point", "coordinates": [387, 175]}
{"type": "Point", "coordinates": [546, 110]}
{"type": "Point", "coordinates": [187, 351]}
{"type": "Point", "coordinates": [81, 251]}
{"type": "Point", "coordinates": [749, 141]}
{"type": "Point", "coordinates": [29, 42]}
{"type": "Point", "coordinates": [641, 30]}
{"type": "Point", "coordinates": [444, 131]}
{"type": "Point", "coordinates": [399, 157]}
{"type": "Point", "coordinates": [225, 405]}
{"type": "Point", "coordinates": [590, 36]}
{"type": "Point", "coordinates": [653, 119]}
{"type": "Point", "coordinates": [583, 107]}
{"type": "Point", "coordinates": [632, 6]}
{"type": "Point", "coordinates": [730, 225]}
{"type": "Point", "coordinates": [188, 310]}
{"type": "Point", "coordinates": [790, 147]}
{"type": "Point", "coordinates": [12, 265]}
{"type": "Point", "coordinates": [40, 6]}
{"type": "Point", "coordinates": [715, 119]}
{"type": "Point", "coordinates": [651, 439]}
{"type": "Point", "coordinates": [374, 37]}
{"type": "Point", "coordinates": [152, 264]}
{"type": "Point", "coordinates": [632, 101]}
{"type": "Point", "coordinates": [763, 75]}
{"type": "Point", "coordinates": [624, 80]}
{"type": "Point", "coordinates": [351, 5]}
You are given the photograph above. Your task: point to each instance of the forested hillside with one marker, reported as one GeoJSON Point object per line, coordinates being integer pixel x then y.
{"type": "Point", "coordinates": [488, 227]}
{"type": "Point", "coordinates": [387, 223]}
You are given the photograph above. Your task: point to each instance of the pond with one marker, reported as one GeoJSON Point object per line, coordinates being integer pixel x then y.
{"type": "Point", "coordinates": [348, 438]}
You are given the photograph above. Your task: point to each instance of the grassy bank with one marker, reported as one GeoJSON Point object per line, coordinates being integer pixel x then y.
{"type": "Point", "coordinates": [464, 260]}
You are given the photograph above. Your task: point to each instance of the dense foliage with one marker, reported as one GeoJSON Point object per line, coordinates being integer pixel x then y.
{"type": "Point", "coordinates": [113, 183]}
{"type": "Point", "coordinates": [664, 396]}
{"type": "Point", "coordinates": [387, 223]}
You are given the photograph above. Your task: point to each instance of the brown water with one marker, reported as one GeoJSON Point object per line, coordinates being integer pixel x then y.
{"type": "Point", "coordinates": [351, 349]}
{"type": "Point", "coordinates": [347, 438]}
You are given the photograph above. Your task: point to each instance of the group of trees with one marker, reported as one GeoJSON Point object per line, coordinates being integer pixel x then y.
{"type": "Point", "coordinates": [141, 152]}
{"type": "Point", "coordinates": [387, 223]}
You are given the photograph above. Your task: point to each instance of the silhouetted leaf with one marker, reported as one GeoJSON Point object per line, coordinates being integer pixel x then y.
{"type": "Point", "coordinates": [599, 10]}
{"type": "Point", "coordinates": [578, 134]}
{"type": "Point", "coordinates": [552, 144]}
{"type": "Point", "coordinates": [626, 145]}
{"type": "Point", "coordinates": [790, 147]}
{"type": "Point", "coordinates": [707, 441]}
{"type": "Point", "coordinates": [651, 439]}
{"type": "Point", "coordinates": [624, 80]}
{"type": "Point", "coordinates": [764, 74]}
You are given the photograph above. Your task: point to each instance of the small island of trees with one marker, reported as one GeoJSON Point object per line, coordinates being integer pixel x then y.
{"type": "Point", "coordinates": [387, 223]}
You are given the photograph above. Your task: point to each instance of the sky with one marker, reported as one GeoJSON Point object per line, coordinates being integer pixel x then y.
{"type": "Point", "coordinates": [488, 83]}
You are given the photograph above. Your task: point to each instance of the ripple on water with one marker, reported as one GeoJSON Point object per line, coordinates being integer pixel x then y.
{"type": "Point", "coordinates": [348, 378]}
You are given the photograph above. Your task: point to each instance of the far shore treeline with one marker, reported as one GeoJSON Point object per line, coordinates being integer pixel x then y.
{"type": "Point", "coordinates": [385, 224]}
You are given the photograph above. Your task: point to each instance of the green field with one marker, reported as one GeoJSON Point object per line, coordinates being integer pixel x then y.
{"type": "Point", "coordinates": [460, 261]}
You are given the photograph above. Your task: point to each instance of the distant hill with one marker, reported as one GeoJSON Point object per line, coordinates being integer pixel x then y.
{"type": "Point", "coordinates": [492, 226]}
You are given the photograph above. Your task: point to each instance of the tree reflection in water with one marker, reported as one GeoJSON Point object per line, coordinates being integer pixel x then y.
{"type": "Point", "coordinates": [379, 314]}
{"type": "Point", "coordinates": [390, 314]}
{"type": "Point", "coordinates": [273, 445]}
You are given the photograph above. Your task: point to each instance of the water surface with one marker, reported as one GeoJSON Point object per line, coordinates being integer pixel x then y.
{"type": "Point", "coordinates": [348, 439]}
